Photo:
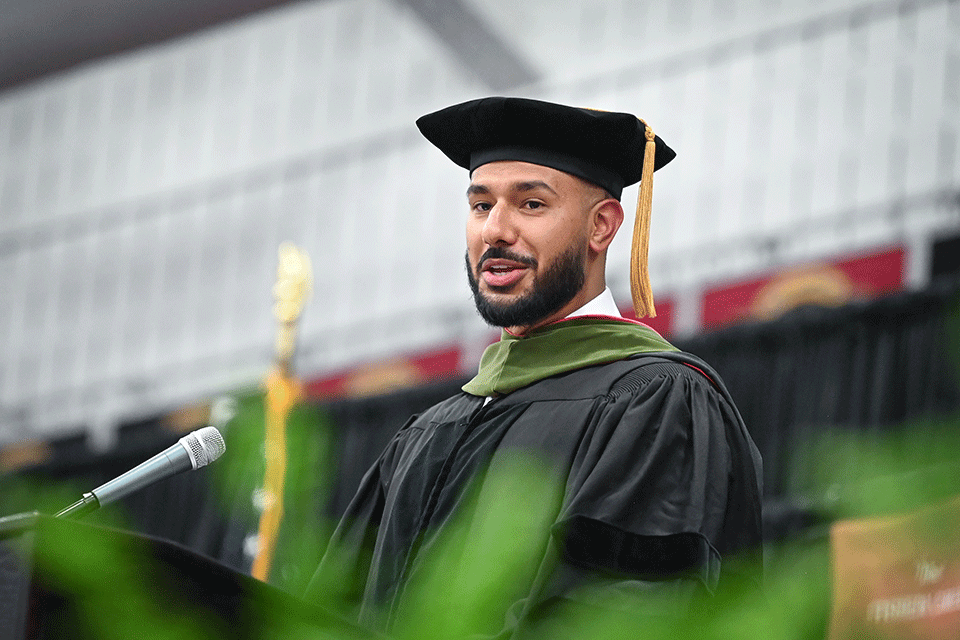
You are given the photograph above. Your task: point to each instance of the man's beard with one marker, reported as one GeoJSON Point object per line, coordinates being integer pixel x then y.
{"type": "Point", "coordinates": [551, 290]}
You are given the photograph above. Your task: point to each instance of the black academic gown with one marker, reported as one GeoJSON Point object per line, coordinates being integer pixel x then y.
{"type": "Point", "coordinates": [659, 479]}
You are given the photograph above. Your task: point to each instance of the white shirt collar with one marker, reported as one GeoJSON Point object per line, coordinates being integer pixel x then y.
{"type": "Point", "coordinates": [602, 305]}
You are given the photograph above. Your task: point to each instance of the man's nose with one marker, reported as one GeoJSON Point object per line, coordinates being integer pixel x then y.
{"type": "Point", "coordinates": [499, 229]}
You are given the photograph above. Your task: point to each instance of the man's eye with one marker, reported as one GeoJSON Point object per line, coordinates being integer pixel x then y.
{"type": "Point", "coordinates": [481, 206]}
{"type": "Point", "coordinates": [533, 204]}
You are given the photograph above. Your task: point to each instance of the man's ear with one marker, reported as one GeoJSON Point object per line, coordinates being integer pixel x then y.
{"type": "Point", "coordinates": [607, 216]}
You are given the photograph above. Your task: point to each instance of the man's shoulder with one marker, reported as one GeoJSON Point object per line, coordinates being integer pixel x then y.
{"type": "Point", "coordinates": [667, 368]}
{"type": "Point", "coordinates": [620, 376]}
{"type": "Point", "coordinates": [447, 410]}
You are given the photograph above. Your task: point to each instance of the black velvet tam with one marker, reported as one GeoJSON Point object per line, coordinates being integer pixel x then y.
{"type": "Point", "coordinates": [602, 147]}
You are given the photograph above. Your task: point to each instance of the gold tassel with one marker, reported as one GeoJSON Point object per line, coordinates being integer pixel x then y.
{"type": "Point", "coordinates": [640, 288]}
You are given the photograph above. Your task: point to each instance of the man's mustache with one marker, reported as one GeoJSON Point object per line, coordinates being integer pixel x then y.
{"type": "Point", "coordinates": [499, 253]}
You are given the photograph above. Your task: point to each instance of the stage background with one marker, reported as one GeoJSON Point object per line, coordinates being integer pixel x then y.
{"type": "Point", "coordinates": [874, 370]}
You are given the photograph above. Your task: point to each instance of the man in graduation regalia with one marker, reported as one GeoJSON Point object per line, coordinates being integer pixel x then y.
{"type": "Point", "coordinates": [659, 479]}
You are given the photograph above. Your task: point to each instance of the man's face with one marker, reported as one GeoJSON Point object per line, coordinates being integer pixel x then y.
{"type": "Point", "coordinates": [526, 243]}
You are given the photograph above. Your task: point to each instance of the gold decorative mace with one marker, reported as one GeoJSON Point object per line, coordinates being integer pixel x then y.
{"type": "Point", "coordinates": [292, 289]}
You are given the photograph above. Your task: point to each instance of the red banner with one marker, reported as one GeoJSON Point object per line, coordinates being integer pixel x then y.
{"type": "Point", "coordinates": [388, 375]}
{"type": "Point", "coordinates": [663, 323]}
{"type": "Point", "coordinates": [827, 283]}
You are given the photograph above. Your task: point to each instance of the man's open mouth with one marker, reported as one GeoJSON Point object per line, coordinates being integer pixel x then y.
{"type": "Point", "coordinates": [501, 273]}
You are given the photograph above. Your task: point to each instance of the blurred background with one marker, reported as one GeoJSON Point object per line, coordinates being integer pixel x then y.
{"type": "Point", "coordinates": [154, 155]}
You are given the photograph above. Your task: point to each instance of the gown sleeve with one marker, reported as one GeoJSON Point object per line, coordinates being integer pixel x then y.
{"type": "Point", "coordinates": [650, 506]}
{"type": "Point", "coordinates": [655, 462]}
{"type": "Point", "coordinates": [339, 583]}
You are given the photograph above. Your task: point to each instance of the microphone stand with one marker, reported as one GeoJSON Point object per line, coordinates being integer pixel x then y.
{"type": "Point", "coordinates": [80, 508]}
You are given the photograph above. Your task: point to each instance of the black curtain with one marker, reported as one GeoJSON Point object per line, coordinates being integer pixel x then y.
{"type": "Point", "coordinates": [867, 367]}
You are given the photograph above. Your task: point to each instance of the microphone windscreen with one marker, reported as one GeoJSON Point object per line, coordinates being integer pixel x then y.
{"type": "Point", "coordinates": [204, 446]}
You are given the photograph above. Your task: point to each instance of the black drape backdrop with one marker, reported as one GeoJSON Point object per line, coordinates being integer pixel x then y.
{"type": "Point", "coordinates": [865, 368]}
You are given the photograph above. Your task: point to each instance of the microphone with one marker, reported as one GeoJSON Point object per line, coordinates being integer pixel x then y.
{"type": "Point", "coordinates": [194, 450]}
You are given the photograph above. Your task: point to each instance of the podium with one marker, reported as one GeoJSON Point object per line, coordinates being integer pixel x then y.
{"type": "Point", "coordinates": [66, 579]}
